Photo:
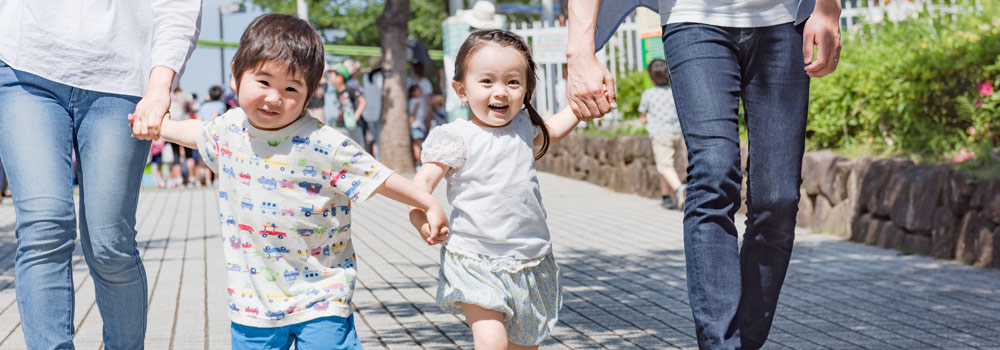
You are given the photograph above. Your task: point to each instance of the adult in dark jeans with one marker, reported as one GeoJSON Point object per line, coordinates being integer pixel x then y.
{"type": "Point", "coordinates": [760, 52]}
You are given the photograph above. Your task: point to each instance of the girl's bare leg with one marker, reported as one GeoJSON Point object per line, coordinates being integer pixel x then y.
{"type": "Point", "coordinates": [488, 332]}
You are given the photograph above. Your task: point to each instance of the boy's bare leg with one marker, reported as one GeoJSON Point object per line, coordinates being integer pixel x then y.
{"type": "Point", "coordinates": [488, 332]}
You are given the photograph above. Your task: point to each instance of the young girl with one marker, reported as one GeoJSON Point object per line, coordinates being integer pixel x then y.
{"type": "Point", "coordinates": [497, 267]}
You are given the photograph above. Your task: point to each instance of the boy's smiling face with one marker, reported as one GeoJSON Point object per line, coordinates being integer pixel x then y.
{"type": "Point", "coordinates": [271, 96]}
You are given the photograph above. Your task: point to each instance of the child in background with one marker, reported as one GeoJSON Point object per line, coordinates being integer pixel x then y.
{"type": "Point", "coordinates": [344, 105]}
{"type": "Point", "coordinates": [214, 107]}
{"type": "Point", "coordinates": [497, 268]}
{"type": "Point", "coordinates": [658, 114]}
{"type": "Point", "coordinates": [418, 119]}
{"type": "Point", "coordinates": [285, 194]}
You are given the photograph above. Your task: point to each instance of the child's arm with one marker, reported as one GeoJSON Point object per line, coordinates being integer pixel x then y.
{"type": "Point", "coordinates": [642, 118]}
{"type": "Point", "coordinates": [559, 126]}
{"type": "Point", "coordinates": [426, 180]}
{"type": "Point", "coordinates": [182, 132]}
{"type": "Point", "coordinates": [362, 103]}
{"type": "Point", "coordinates": [400, 190]}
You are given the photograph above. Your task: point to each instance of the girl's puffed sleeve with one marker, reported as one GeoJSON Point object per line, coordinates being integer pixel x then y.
{"type": "Point", "coordinates": [444, 145]}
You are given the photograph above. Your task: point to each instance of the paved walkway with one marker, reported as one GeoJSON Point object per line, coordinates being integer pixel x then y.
{"type": "Point", "coordinates": [623, 271]}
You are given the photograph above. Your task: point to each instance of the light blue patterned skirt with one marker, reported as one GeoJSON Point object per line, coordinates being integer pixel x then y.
{"type": "Point", "coordinates": [527, 292]}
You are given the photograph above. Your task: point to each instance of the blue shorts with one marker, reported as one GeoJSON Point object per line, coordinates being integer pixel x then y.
{"type": "Point", "coordinates": [417, 133]}
{"type": "Point", "coordinates": [327, 333]}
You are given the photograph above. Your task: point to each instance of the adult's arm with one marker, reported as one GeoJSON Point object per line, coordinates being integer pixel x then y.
{"type": "Point", "coordinates": [590, 88]}
{"type": "Point", "coordinates": [823, 31]}
{"type": "Point", "coordinates": [176, 26]}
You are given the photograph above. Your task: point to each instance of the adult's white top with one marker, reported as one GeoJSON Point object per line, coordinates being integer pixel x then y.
{"type": "Point", "coordinates": [492, 186]}
{"type": "Point", "coordinates": [100, 45]}
{"type": "Point", "coordinates": [729, 13]}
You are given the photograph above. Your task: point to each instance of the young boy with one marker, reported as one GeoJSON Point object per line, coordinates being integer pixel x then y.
{"type": "Point", "coordinates": [658, 114]}
{"type": "Point", "coordinates": [285, 193]}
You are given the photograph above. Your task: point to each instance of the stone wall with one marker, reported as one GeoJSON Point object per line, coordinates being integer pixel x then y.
{"type": "Point", "coordinates": [891, 203]}
{"type": "Point", "coordinates": [896, 204]}
{"type": "Point", "coordinates": [624, 163]}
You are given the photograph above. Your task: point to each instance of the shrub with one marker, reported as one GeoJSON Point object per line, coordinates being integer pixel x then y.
{"type": "Point", "coordinates": [908, 87]}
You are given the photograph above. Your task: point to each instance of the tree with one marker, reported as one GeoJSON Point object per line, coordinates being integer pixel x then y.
{"type": "Point", "coordinates": [395, 148]}
{"type": "Point", "coordinates": [356, 18]}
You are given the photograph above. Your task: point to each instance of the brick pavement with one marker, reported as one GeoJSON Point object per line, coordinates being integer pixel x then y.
{"type": "Point", "coordinates": [623, 274]}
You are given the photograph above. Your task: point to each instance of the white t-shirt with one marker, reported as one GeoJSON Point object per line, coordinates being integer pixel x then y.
{"type": "Point", "coordinates": [492, 186]}
{"type": "Point", "coordinates": [99, 45]}
{"type": "Point", "coordinates": [729, 13]}
{"type": "Point", "coordinates": [418, 106]}
{"type": "Point", "coordinates": [285, 210]}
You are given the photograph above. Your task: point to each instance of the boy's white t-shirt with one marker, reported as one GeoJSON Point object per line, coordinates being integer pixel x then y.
{"type": "Point", "coordinates": [285, 200]}
{"type": "Point", "coordinates": [492, 186]}
{"type": "Point", "coordinates": [729, 13]}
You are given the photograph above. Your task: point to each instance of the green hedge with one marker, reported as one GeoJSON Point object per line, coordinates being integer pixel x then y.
{"type": "Point", "coordinates": [911, 88]}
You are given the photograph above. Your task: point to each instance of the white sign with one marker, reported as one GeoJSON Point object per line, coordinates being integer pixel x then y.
{"type": "Point", "coordinates": [549, 45]}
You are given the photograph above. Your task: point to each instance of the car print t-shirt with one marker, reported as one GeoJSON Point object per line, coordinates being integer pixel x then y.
{"type": "Point", "coordinates": [285, 204]}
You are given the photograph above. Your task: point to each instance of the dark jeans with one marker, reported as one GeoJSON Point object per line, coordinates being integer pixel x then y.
{"type": "Point", "coordinates": [734, 292]}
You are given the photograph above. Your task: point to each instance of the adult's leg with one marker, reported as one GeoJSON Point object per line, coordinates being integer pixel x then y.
{"type": "Point", "coordinates": [111, 164]}
{"type": "Point", "coordinates": [36, 140]}
{"type": "Point", "coordinates": [706, 87]}
{"type": "Point", "coordinates": [776, 98]}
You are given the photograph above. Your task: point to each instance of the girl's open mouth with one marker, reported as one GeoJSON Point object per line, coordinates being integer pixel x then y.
{"type": "Point", "coordinates": [500, 109]}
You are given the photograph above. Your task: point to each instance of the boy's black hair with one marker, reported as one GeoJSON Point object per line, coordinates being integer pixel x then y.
{"type": "Point", "coordinates": [658, 72]}
{"type": "Point", "coordinates": [214, 93]}
{"type": "Point", "coordinates": [283, 39]}
{"type": "Point", "coordinates": [476, 41]}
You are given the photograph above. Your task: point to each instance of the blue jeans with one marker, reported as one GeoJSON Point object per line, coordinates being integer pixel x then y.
{"type": "Point", "coordinates": [734, 292]}
{"type": "Point", "coordinates": [327, 333]}
{"type": "Point", "coordinates": [41, 124]}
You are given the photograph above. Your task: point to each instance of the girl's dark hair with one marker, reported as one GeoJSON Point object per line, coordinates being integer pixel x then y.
{"type": "Point", "coordinates": [476, 41]}
{"type": "Point", "coordinates": [415, 87]}
{"type": "Point", "coordinates": [658, 72]}
{"type": "Point", "coordinates": [283, 39]}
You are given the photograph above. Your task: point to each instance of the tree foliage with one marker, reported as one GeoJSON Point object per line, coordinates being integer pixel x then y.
{"type": "Point", "coordinates": [356, 18]}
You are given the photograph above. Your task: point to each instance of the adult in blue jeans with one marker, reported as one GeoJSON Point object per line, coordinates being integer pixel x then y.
{"type": "Point", "coordinates": [71, 72]}
{"type": "Point", "coordinates": [762, 52]}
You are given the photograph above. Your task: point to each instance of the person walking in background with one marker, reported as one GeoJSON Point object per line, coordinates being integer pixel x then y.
{"type": "Point", "coordinates": [497, 268]}
{"type": "Point", "coordinates": [760, 52]}
{"type": "Point", "coordinates": [156, 150]}
{"type": "Point", "coordinates": [371, 84]}
{"type": "Point", "coordinates": [560, 90]}
{"type": "Point", "coordinates": [213, 107]}
{"type": "Point", "coordinates": [278, 64]}
{"type": "Point", "coordinates": [180, 104]}
{"type": "Point", "coordinates": [344, 104]}
{"type": "Point", "coordinates": [210, 109]}
{"type": "Point", "coordinates": [438, 116]}
{"type": "Point", "coordinates": [71, 72]}
{"type": "Point", "coordinates": [419, 123]}
{"type": "Point", "coordinates": [658, 113]}
{"type": "Point", "coordinates": [318, 99]}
